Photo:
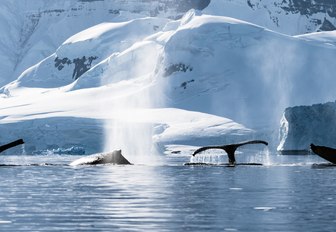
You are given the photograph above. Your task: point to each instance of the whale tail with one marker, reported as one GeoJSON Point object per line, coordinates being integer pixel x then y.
{"type": "Point", "coordinates": [326, 153]}
{"type": "Point", "coordinates": [230, 149]}
{"type": "Point", "coordinates": [11, 144]}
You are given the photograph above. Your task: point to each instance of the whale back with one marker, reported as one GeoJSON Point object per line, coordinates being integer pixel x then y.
{"type": "Point", "coordinates": [114, 157]}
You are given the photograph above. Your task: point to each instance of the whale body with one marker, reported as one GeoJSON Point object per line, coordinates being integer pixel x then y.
{"type": "Point", "coordinates": [114, 157]}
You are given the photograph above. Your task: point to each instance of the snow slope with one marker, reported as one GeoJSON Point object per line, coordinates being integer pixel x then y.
{"type": "Point", "coordinates": [32, 30]}
{"type": "Point", "coordinates": [292, 17]}
{"type": "Point", "coordinates": [324, 38]}
{"type": "Point", "coordinates": [122, 81]}
{"type": "Point", "coordinates": [88, 48]}
{"type": "Point", "coordinates": [199, 80]}
{"type": "Point", "coordinates": [244, 72]}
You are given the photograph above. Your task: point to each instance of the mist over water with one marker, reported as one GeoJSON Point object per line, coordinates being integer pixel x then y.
{"type": "Point", "coordinates": [251, 78]}
{"type": "Point", "coordinates": [219, 157]}
{"type": "Point", "coordinates": [281, 72]}
{"type": "Point", "coordinates": [127, 127]}
{"type": "Point", "coordinates": [134, 139]}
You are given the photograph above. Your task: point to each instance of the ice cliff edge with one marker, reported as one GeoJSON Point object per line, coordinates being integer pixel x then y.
{"type": "Point", "coordinates": [303, 125]}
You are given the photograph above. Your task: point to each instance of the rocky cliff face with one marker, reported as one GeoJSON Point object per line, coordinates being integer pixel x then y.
{"type": "Point", "coordinates": [32, 30]}
{"type": "Point", "coordinates": [320, 13]}
{"type": "Point", "coordinates": [286, 16]}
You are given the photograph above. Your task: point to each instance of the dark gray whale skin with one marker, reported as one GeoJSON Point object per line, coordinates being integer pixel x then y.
{"type": "Point", "coordinates": [114, 157]}
{"type": "Point", "coordinates": [10, 145]}
{"type": "Point", "coordinates": [230, 149]}
{"type": "Point", "coordinates": [326, 153]}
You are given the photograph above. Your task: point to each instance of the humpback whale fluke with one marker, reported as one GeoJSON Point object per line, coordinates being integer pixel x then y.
{"type": "Point", "coordinates": [230, 149]}
{"type": "Point", "coordinates": [11, 144]}
{"type": "Point", "coordinates": [114, 157]}
{"type": "Point", "coordinates": [327, 153]}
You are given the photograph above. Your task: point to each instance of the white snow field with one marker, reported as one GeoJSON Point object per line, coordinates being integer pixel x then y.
{"type": "Point", "coordinates": [32, 30]}
{"type": "Point", "coordinates": [288, 17]}
{"type": "Point", "coordinates": [149, 83]}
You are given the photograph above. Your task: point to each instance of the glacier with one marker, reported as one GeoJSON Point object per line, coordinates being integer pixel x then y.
{"type": "Point", "coordinates": [292, 17]}
{"type": "Point", "coordinates": [146, 83]}
{"type": "Point", "coordinates": [303, 125]}
{"type": "Point", "coordinates": [32, 30]}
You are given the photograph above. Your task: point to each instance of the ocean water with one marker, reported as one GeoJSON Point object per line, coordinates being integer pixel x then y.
{"type": "Point", "coordinates": [289, 193]}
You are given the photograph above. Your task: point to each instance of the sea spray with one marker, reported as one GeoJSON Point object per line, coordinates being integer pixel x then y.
{"type": "Point", "coordinates": [260, 156]}
{"type": "Point", "coordinates": [211, 157]}
{"type": "Point", "coordinates": [266, 157]}
{"type": "Point", "coordinates": [127, 125]}
{"type": "Point", "coordinates": [23, 149]}
{"type": "Point", "coordinates": [133, 138]}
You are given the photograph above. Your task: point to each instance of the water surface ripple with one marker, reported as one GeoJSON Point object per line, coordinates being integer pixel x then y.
{"type": "Point", "coordinates": [293, 195]}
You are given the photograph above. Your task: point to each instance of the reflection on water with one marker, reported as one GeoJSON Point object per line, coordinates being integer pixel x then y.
{"type": "Point", "coordinates": [290, 194]}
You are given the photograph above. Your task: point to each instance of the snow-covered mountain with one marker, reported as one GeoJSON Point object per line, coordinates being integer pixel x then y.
{"type": "Point", "coordinates": [32, 30]}
{"type": "Point", "coordinates": [202, 79]}
{"type": "Point", "coordinates": [291, 17]}
{"type": "Point", "coordinates": [128, 70]}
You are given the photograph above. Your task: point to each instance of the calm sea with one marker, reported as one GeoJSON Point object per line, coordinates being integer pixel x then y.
{"type": "Point", "coordinates": [289, 193]}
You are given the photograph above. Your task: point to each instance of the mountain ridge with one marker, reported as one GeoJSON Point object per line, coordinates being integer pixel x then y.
{"type": "Point", "coordinates": [203, 78]}
{"type": "Point", "coordinates": [37, 29]}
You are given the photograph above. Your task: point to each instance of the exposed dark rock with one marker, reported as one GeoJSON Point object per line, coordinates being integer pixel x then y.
{"type": "Point", "coordinates": [327, 26]}
{"type": "Point", "coordinates": [176, 152]}
{"type": "Point", "coordinates": [184, 84]}
{"type": "Point", "coordinates": [180, 67]}
{"type": "Point", "coordinates": [116, 12]}
{"type": "Point", "coordinates": [192, 4]}
{"type": "Point", "coordinates": [180, 6]}
{"type": "Point", "coordinates": [59, 63]}
{"type": "Point", "coordinates": [303, 7]}
{"type": "Point", "coordinates": [81, 64]}
{"type": "Point", "coordinates": [310, 7]}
